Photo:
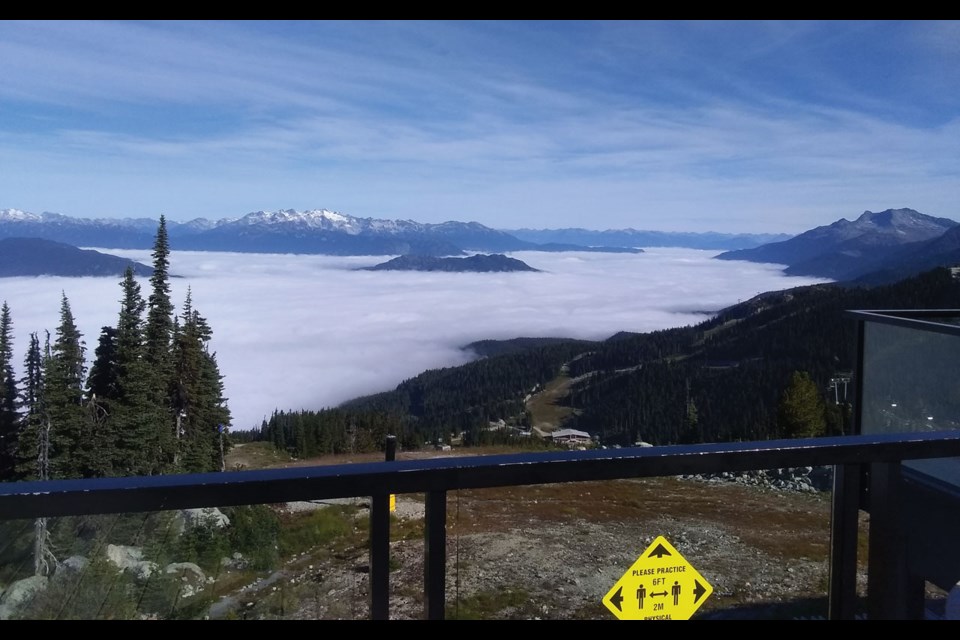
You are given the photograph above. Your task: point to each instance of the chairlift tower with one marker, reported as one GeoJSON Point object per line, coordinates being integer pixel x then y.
{"type": "Point", "coordinates": [835, 383]}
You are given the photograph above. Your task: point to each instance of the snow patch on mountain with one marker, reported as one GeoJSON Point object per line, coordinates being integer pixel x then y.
{"type": "Point", "coordinates": [17, 214]}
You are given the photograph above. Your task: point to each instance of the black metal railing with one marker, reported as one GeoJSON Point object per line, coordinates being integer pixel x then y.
{"type": "Point", "coordinates": [851, 456]}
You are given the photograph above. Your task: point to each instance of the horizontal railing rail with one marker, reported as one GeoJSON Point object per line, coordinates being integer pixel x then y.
{"type": "Point", "coordinates": [434, 477]}
{"type": "Point", "coordinates": [182, 491]}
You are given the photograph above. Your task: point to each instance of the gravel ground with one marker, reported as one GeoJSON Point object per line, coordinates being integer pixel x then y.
{"type": "Point", "coordinates": [554, 551]}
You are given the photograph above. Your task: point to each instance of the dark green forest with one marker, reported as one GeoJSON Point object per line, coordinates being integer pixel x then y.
{"type": "Point", "coordinates": [744, 374]}
{"type": "Point", "coordinates": [725, 379]}
{"type": "Point", "coordinates": [151, 402]}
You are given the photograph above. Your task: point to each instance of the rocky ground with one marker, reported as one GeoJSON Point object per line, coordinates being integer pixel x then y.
{"type": "Point", "coordinates": [554, 551]}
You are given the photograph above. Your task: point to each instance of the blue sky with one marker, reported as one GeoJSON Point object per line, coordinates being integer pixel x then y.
{"type": "Point", "coordinates": [675, 126]}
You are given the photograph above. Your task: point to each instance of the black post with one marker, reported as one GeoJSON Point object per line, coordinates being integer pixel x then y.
{"type": "Point", "coordinates": [380, 546]}
{"type": "Point", "coordinates": [857, 425]}
{"type": "Point", "coordinates": [887, 572]}
{"type": "Point", "coordinates": [391, 450]}
{"type": "Point", "coordinates": [844, 524]}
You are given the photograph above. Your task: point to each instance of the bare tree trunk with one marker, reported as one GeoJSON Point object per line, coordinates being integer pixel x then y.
{"type": "Point", "coordinates": [176, 445]}
{"type": "Point", "coordinates": [223, 463]}
{"type": "Point", "coordinates": [42, 553]}
{"type": "Point", "coordinates": [43, 556]}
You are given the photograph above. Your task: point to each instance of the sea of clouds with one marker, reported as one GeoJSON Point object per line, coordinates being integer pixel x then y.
{"type": "Point", "coordinates": [308, 332]}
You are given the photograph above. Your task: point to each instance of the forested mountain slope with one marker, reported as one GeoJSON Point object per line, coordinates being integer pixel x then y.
{"type": "Point", "coordinates": [724, 378]}
{"type": "Point", "coordinates": [720, 380]}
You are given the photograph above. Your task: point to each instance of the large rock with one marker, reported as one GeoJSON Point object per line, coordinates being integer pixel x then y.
{"type": "Point", "coordinates": [185, 568]}
{"type": "Point", "coordinates": [20, 593]}
{"type": "Point", "coordinates": [74, 564]}
{"type": "Point", "coordinates": [130, 559]}
{"type": "Point", "coordinates": [190, 575]}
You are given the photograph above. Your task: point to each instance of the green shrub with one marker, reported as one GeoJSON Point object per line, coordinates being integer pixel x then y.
{"type": "Point", "coordinates": [254, 532]}
{"type": "Point", "coordinates": [485, 605]}
{"type": "Point", "coordinates": [319, 527]}
{"type": "Point", "coordinates": [99, 592]}
{"type": "Point", "coordinates": [162, 596]}
{"type": "Point", "coordinates": [204, 544]}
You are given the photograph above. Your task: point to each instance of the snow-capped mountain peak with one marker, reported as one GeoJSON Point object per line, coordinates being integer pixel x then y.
{"type": "Point", "coordinates": [17, 214]}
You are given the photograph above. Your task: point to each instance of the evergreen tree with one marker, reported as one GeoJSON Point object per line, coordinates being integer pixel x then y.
{"type": "Point", "coordinates": [102, 384]}
{"type": "Point", "coordinates": [159, 326]}
{"type": "Point", "coordinates": [139, 420]}
{"type": "Point", "coordinates": [9, 419]}
{"type": "Point", "coordinates": [64, 371]}
{"type": "Point", "coordinates": [130, 324]}
{"type": "Point", "coordinates": [33, 419]}
{"type": "Point", "coordinates": [802, 413]}
{"type": "Point", "coordinates": [217, 413]}
{"type": "Point", "coordinates": [198, 403]}
{"type": "Point", "coordinates": [158, 336]}
{"type": "Point", "coordinates": [101, 399]}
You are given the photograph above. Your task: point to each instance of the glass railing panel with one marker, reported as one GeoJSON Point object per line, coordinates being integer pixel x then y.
{"type": "Point", "coordinates": [910, 385]}
{"type": "Point", "coordinates": [555, 552]}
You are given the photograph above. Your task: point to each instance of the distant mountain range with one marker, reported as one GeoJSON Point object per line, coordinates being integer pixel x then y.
{"type": "Point", "coordinates": [875, 248]}
{"type": "Point", "coordinates": [709, 240]}
{"type": "Point", "coordinates": [38, 257]}
{"type": "Point", "coordinates": [312, 232]}
{"type": "Point", "coordinates": [477, 263]}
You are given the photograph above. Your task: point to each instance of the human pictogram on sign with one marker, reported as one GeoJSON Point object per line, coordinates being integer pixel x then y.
{"type": "Point", "coordinates": [660, 585]}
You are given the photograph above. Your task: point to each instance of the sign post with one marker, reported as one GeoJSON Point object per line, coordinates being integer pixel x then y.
{"type": "Point", "coordinates": [660, 585]}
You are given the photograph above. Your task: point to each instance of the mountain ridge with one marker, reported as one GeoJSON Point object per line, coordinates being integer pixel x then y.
{"type": "Point", "coordinates": [316, 231]}
{"type": "Point", "coordinates": [711, 240]}
{"type": "Point", "coordinates": [846, 250]}
{"type": "Point", "coordinates": [329, 232]}
{"type": "Point", "coordinates": [40, 257]}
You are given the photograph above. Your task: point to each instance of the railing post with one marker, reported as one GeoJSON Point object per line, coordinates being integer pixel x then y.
{"type": "Point", "coordinates": [844, 531]}
{"type": "Point", "coordinates": [380, 546]}
{"type": "Point", "coordinates": [887, 571]}
{"type": "Point", "coordinates": [435, 556]}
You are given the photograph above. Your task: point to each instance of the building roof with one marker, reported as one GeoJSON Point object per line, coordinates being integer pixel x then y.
{"type": "Point", "coordinates": [569, 433]}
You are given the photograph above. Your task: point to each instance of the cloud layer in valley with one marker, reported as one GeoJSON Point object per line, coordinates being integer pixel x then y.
{"type": "Point", "coordinates": [307, 332]}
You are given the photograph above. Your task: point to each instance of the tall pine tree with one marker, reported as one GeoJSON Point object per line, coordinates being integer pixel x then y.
{"type": "Point", "coordinates": [100, 403]}
{"type": "Point", "coordinates": [198, 402]}
{"type": "Point", "coordinates": [64, 373]}
{"type": "Point", "coordinates": [139, 419]}
{"type": "Point", "coordinates": [9, 419]}
{"type": "Point", "coordinates": [102, 384]}
{"type": "Point", "coordinates": [33, 420]}
{"type": "Point", "coordinates": [158, 336]}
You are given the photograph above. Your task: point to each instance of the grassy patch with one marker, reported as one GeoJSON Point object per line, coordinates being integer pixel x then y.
{"type": "Point", "coordinates": [254, 455]}
{"type": "Point", "coordinates": [405, 529]}
{"type": "Point", "coordinates": [507, 603]}
{"type": "Point", "coordinates": [326, 526]}
{"type": "Point", "coordinates": [546, 408]}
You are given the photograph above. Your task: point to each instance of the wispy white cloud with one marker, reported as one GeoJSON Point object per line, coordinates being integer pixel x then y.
{"type": "Point", "coordinates": [493, 121]}
{"type": "Point", "coordinates": [309, 332]}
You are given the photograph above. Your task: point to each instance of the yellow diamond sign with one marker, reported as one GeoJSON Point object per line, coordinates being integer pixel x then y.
{"type": "Point", "coordinates": [661, 585]}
